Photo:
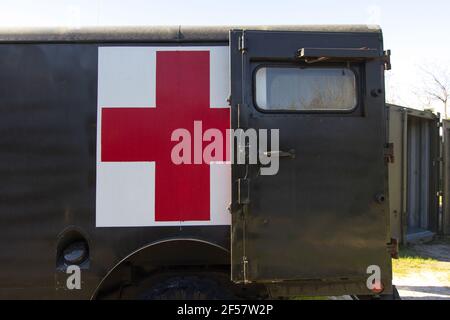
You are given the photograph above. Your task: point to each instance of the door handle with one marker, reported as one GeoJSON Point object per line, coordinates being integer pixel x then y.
{"type": "Point", "coordinates": [281, 154]}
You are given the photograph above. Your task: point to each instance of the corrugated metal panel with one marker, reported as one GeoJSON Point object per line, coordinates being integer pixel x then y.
{"type": "Point", "coordinates": [414, 176]}
{"type": "Point", "coordinates": [418, 174]}
{"type": "Point", "coordinates": [396, 206]}
{"type": "Point", "coordinates": [446, 178]}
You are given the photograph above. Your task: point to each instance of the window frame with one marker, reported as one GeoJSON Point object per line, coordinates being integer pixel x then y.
{"type": "Point", "coordinates": [353, 67]}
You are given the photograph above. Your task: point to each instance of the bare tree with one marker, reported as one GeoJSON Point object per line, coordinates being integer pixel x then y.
{"type": "Point", "coordinates": [392, 92]}
{"type": "Point", "coordinates": [436, 87]}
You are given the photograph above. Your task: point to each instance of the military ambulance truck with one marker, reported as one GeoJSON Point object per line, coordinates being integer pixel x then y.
{"type": "Point", "coordinates": [210, 163]}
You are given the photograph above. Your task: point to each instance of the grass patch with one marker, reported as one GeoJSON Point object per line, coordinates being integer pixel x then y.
{"type": "Point", "coordinates": [410, 261]}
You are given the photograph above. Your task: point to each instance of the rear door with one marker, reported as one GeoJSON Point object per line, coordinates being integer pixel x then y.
{"type": "Point", "coordinates": [324, 214]}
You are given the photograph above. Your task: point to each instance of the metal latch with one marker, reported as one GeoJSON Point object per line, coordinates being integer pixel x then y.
{"type": "Point", "coordinates": [389, 153]}
{"type": "Point", "coordinates": [245, 269]}
{"type": "Point", "coordinates": [280, 154]}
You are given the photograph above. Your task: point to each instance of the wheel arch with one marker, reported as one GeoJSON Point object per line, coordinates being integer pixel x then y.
{"type": "Point", "coordinates": [163, 254]}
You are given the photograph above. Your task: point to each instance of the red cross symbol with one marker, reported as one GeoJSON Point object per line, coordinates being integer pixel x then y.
{"type": "Point", "coordinates": [144, 134]}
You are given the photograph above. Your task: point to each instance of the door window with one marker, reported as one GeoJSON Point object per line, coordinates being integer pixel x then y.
{"type": "Point", "coordinates": [305, 89]}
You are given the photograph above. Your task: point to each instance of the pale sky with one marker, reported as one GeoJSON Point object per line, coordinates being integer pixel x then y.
{"type": "Point", "coordinates": [416, 32]}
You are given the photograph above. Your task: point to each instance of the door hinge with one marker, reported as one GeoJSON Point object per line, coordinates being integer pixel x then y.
{"type": "Point", "coordinates": [393, 248]}
{"type": "Point", "coordinates": [389, 153]}
{"type": "Point", "coordinates": [242, 44]}
{"type": "Point", "coordinates": [387, 60]}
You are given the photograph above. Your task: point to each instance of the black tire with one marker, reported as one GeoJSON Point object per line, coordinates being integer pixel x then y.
{"type": "Point", "coordinates": [189, 287]}
{"type": "Point", "coordinates": [194, 286]}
